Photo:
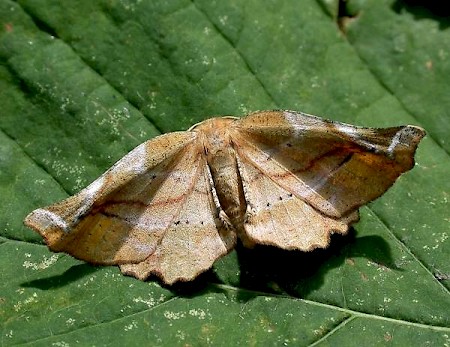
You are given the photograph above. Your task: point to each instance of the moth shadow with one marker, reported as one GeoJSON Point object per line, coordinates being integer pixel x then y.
{"type": "Point", "coordinates": [72, 274]}
{"type": "Point", "coordinates": [272, 270]}
{"type": "Point", "coordinates": [199, 286]}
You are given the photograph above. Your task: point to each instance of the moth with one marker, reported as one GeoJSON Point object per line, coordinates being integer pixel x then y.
{"type": "Point", "coordinates": [178, 202]}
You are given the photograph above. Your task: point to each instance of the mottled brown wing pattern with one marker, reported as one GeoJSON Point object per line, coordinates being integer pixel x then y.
{"type": "Point", "coordinates": [165, 193]}
{"type": "Point", "coordinates": [194, 241]}
{"type": "Point", "coordinates": [277, 217]}
{"type": "Point", "coordinates": [86, 224]}
{"type": "Point", "coordinates": [332, 166]}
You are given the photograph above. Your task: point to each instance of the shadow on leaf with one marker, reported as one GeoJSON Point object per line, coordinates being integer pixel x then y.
{"type": "Point", "coordinates": [200, 285]}
{"type": "Point", "coordinates": [294, 273]}
{"type": "Point", "coordinates": [433, 9]}
{"type": "Point", "coordinates": [271, 270]}
{"type": "Point", "coordinates": [264, 269]}
{"type": "Point", "coordinates": [70, 275]}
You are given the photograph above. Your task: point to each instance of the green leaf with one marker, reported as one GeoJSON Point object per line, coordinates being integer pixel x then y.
{"type": "Point", "coordinates": [84, 82]}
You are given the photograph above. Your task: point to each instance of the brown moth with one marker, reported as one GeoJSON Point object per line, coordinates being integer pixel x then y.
{"type": "Point", "coordinates": [178, 202]}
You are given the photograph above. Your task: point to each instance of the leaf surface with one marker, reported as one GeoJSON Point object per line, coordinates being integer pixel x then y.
{"type": "Point", "coordinates": [84, 82]}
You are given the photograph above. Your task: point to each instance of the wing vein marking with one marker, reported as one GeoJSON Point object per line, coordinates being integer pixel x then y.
{"type": "Point", "coordinates": [271, 216]}
{"type": "Point", "coordinates": [124, 219]}
{"type": "Point", "coordinates": [101, 208]}
{"type": "Point", "coordinates": [324, 180]}
{"type": "Point", "coordinates": [289, 215]}
{"type": "Point", "coordinates": [283, 230]}
{"type": "Point", "coordinates": [139, 203]}
{"type": "Point", "coordinates": [177, 213]}
{"type": "Point", "coordinates": [278, 184]}
{"type": "Point", "coordinates": [313, 163]}
{"type": "Point", "coordinates": [181, 199]}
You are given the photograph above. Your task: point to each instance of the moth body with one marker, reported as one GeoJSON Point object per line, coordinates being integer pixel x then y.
{"type": "Point", "coordinates": [215, 134]}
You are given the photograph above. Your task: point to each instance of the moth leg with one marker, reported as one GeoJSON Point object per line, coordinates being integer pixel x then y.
{"type": "Point", "coordinates": [250, 211]}
{"type": "Point", "coordinates": [222, 216]}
